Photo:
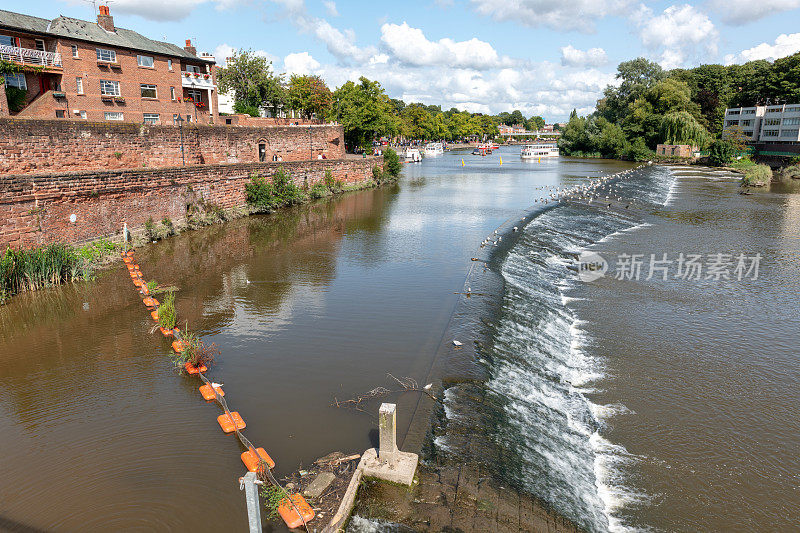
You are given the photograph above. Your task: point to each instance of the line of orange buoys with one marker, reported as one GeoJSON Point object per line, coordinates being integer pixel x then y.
{"type": "Point", "coordinates": [294, 510]}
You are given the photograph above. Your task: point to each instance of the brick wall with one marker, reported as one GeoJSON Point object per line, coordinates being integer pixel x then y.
{"type": "Point", "coordinates": [36, 209]}
{"type": "Point", "coordinates": [35, 146]}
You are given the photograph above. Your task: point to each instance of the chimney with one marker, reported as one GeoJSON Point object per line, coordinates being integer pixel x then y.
{"type": "Point", "coordinates": [189, 48]}
{"type": "Point", "coordinates": [105, 20]}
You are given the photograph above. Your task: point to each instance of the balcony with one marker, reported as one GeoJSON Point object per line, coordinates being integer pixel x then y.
{"type": "Point", "coordinates": [197, 80]}
{"type": "Point", "coordinates": [28, 56]}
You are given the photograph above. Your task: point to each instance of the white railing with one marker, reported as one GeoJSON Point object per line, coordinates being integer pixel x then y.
{"type": "Point", "coordinates": [28, 56]}
{"type": "Point", "coordinates": [198, 81]}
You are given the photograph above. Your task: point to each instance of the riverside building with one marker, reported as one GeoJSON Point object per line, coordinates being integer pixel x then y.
{"type": "Point", "coordinates": [765, 124]}
{"type": "Point", "coordinates": [71, 68]}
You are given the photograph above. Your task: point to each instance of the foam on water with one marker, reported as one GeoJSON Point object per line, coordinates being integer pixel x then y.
{"type": "Point", "coordinates": [540, 369]}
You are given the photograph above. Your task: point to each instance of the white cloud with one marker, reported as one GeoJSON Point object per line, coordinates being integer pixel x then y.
{"type": "Point", "coordinates": [573, 57]}
{"type": "Point", "coordinates": [162, 11]}
{"type": "Point", "coordinates": [223, 51]}
{"type": "Point", "coordinates": [680, 33]}
{"type": "Point", "coordinates": [410, 46]}
{"type": "Point", "coordinates": [784, 45]}
{"type": "Point", "coordinates": [568, 15]}
{"type": "Point", "coordinates": [739, 12]}
{"type": "Point", "coordinates": [330, 7]}
{"type": "Point", "coordinates": [300, 63]}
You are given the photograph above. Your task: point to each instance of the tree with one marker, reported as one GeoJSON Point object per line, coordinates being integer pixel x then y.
{"type": "Point", "coordinates": [253, 81]}
{"type": "Point", "coordinates": [535, 123]}
{"type": "Point", "coordinates": [722, 153]}
{"type": "Point", "coordinates": [310, 95]}
{"type": "Point", "coordinates": [682, 128]}
{"type": "Point", "coordinates": [364, 111]}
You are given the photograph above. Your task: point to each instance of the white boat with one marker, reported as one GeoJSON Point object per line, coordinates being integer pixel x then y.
{"type": "Point", "coordinates": [434, 149]}
{"type": "Point", "coordinates": [538, 151]}
{"type": "Point", "coordinates": [413, 155]}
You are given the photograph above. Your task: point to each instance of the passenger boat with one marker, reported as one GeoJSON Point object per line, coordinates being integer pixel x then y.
{"type": "Point", "coordinates": [413, 156]}
{"type": "Point", "coordinates": [538, 151]}
{"type": "Point", "coordinates": [434, 149]}
{"type": "Point", "coordinates": [483, 149]}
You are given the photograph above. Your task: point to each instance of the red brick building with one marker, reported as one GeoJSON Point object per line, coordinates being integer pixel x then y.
{"type": "Point", "coordinates": [76, 69]}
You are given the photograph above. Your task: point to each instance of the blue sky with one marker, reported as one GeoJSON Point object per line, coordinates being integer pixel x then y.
{"type": "Point", "coordinates": [541, 56]}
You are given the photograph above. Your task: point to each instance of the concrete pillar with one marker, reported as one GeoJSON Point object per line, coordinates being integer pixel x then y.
{"type": "Point", "coordinates": [253, 507]}
{"type": "Point", "coordinates": [387, 428]}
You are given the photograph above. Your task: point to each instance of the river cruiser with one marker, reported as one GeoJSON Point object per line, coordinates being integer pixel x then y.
{"type": "Point", "coordinates": [413, 155]}
{"type": "Point", "coordinates": [538, 151]}
{"type": "Point", "coordinates": [434, 149]}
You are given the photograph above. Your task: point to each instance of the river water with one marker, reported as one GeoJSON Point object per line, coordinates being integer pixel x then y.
{"type": "Point", "coordinates": [624, 403]}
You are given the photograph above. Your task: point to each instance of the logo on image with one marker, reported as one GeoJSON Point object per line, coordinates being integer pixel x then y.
{"type": "Point", "coordinates": [591, 266]}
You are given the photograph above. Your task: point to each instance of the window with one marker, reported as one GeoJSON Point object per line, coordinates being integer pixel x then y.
{"type": "Point", "coordinates": [195, 95]}
{"type": "Point", "coordinates": [747, 122]}
{"type": "Point", "coordinates": [775, 110]}
{"type": "Point", "coordinates": [262, 152]}
{"type": "Point", "coordinates": [793, 109]}
{"type": "Point", "coordinates": [770, 133]}
{"type": "Point", "coordinates": [16, 80]}
{"type": "Point", "coordinates": [791, 121]}
{"type": "Point", "coordinates": [7, 41]}
{"type": "Point", "coordinates": [75, 51]}
{"type": "Point", "coordinates": [749, 112]}
{"type": "Point", "coordinates": [772, 122]}
{"type": "Point", "coordinates": [151, 118]}
{"type": "Point", "coordinates": [169, 64]}
{"type": "Point", "coordinates": [790, 133]}
{"type": "Point", "coordinates": [109, 56]}
{"type": "Point", "coordinates": [39, 44]}
{"type": "Point", "coordinates": [83, 115]}
{"type": "Point", "coordinates": [733, 111]}
{"type": "Point", "coordinates": [145, 61]}
{"type": "Point", "coordinates": [109, 88]}
{"type": "Point", "coordinates": [188, 118]}
{"type": "Point", "coordinates": [113, 115]}
{"type": "Point", "coordinates": [79, 85]}
{"type": "Point", "coordinates": [172, 93]}
{"type": "Point", "coordinates": [148, 91]}
{"type": "Point", "coordinates": [60, 113]}
{"type": "Point", "coordinates": [192, 68]}
{"type": "Point", "coordinates": [731, 122]}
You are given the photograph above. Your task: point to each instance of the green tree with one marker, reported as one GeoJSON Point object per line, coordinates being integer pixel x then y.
{"type": "Point", "coordinates": [310, 95]}
{"type": "Point", "coordinates": [253, 81]}
{"type": "Point", "coordinates": [364, 111]}
{"type": "Point", "coordinates": [535, 123]}
{"type": "Point", "coordinates": [722, 153]}
{"type": "Point", "coordinates": [680, 127]}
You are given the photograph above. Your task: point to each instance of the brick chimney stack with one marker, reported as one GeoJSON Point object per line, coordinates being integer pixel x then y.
{"type": "Point", "coordinates": [105, 20]}
{"type": "Point", "coordinates": [189, 48]}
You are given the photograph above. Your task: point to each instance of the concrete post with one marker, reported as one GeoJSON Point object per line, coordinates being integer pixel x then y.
{"type": "Point", "coordinates": [253, 505]}
{"type": "Point", "coordinates": [387, 428]}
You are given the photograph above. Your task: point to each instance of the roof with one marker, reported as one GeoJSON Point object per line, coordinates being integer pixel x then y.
{"type": "Point", "coordinates": [71, 28]}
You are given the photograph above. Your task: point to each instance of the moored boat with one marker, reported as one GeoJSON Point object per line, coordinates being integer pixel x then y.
{"type": "Point", "coordinates": [538, 151]}
{"type": "Point", "coordinates": [434, 149]}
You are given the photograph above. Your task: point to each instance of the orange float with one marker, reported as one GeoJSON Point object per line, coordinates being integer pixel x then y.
{"type": "Point", "coordinates": [138, 282]}
{"type": "Point", "coordinates": [191, 369]}
{"type": "Point", "coordinates": [130, 266]}
{"type": "Point", "coordinates": [145, 290]}
{"type": "Point", "coordinates": [290, 516]}
{"type": "Point", "coordinates": [154, 314]}
{"type": "Point", "coordinates": [250, 459]}
{"type": "Point", "coordinates": [130, 253]}
{"type": "Point", "coordinates": [231, 423]}
{"type": "Point", "coordinates": [150, 301]}
{"type": "Point", "coordinates": [208, 392]}
{"type": "Point", "coordinates": [179, 345]}
{"type": "Point", "coordinates": [165, 332]}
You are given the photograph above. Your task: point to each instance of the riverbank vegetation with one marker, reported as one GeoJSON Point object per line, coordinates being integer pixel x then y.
{"type": "Point", "coordinates": [681, 106]}
{"type": "Point", "coordinates": [757, 176]}
{"type": "Point", "coordinates": [53, 264]}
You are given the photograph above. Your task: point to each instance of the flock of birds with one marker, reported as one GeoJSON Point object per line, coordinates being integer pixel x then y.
{"type": "Point", "coordinates": [600, 190]}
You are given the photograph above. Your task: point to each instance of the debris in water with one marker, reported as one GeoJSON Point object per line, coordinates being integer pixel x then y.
{"type": "Point", "coordinates": [457, 343]}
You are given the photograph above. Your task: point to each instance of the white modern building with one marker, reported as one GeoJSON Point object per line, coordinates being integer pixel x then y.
{"type": "Point", "coordinates": [768, 124]}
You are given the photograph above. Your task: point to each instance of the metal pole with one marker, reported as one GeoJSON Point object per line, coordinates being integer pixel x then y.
{"type": "Point", "coordinates": [248, 483]}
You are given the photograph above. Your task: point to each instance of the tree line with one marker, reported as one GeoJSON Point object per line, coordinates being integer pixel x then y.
{"type": "Point", "coordinates": [363, 108]}
{"type": "Point", "coordinates": [681, 106]}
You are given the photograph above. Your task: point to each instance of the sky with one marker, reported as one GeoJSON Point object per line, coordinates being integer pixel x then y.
{"type": "Point", "coordinates": [543, 57]}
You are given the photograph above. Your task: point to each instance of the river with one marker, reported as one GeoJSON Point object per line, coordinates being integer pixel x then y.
{"type": "Point", "coordinates": [591, 401]}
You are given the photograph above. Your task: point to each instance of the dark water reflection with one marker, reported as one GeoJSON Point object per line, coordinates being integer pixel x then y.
{"type": "Point", "coordinates": [97, 431]}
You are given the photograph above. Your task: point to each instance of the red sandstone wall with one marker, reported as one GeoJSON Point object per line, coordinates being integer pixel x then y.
{"type": "Point", "coordinates": [36, 209]}
{"type": "Point", "coordinates": [35, 146]}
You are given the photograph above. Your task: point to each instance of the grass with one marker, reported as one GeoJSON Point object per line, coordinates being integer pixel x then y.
{"type": "Point", "coordinates": [757, 176]}
{"type": "Point", "coordinates": [196, 352]}
{"type": "Point", "coordinates": [273, 498]}
{"type": "Point", "coordinates": [166, 311]}
{"type": "Point", "coordinates": [743, 164]}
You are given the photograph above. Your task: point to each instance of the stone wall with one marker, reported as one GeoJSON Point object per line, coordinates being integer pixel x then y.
{"type": "Point", "coordinates": [37, 209]}
{"type": "Point", "coordinates": [36, 146]}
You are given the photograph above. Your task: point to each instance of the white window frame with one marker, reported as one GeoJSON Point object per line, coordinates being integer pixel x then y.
{"type": "Point", "coordinates": [75, 51]}
{"type": "Point", "coordinates": [83, 115]}
{"type": "Point", "coordinates": [193, 69]}
{"type": "Point", "coordinates": [140, 58]}
{"type": "Point", "coordinates": [148, 86]}
{"type": "Point", "coordinates": [79, 84]}
{"type": "Point", "coordinates": [195, 93]}
{"type": "Point", "coordinates": [36, 45]}
{"type": "Point", "coordinates": [12, 41]}
{"type": "Point", "coordinates": [172, 93]}
{"type": "Point", "coordinates": [169, 64]}
{"type": "Point", "coordinates": [790, 133]}
{"type": "Point", "coordinates": [794, 121]}
{"type": "Point", "coordinates": [119, 114]}
{"type": "Point", "coordinates": [103, 53]}
{"type": "Point", "coordinates": [189, 119]}
{"type": "Point", "coordinates": [770, 133]}
{"type": "Point", "coordinates": [19, 77]}
{"type": "Point", "coordinates": [155, 118]}
{"type": "Point", "coordinates": [772, 122]}
{"type": "Point", "coordinates": [105, 84]}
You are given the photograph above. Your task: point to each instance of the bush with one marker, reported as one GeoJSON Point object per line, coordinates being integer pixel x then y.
{"type": "Point", "coordinates": [391, 163]}
{"type": "Point", "coordinates": [758, 176]}
{"type": "Point", "coordinates": [744, 163]}
{"type": "Point", "coordinates": [722, 153]}
{"type": "Point", "coordinates": [17, 99]}
{"type": "Point", "coordinates": [637, 151]}
{"type": "Point", "coordinates": [169, 227]}
{"type": "Point", "coordinates": [243, 108]}
{"type": "Point", "coordinates": [196, 352]}
{"type": "Point", "coordinates": [279, 191]}
{"type": "Point", "coordinates": [792, 172]}
{"type": "Point", "coordinates": [150, 230]}
{"type": "Point", "coordinates": [166, 311]}
{"type": "Point", "coordinates": [318, 190]}
{"type": "Point", "coordinates": [329, 181]}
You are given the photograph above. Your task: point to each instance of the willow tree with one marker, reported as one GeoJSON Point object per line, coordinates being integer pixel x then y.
{"type": "Point", "coordinates": [681, 127]}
